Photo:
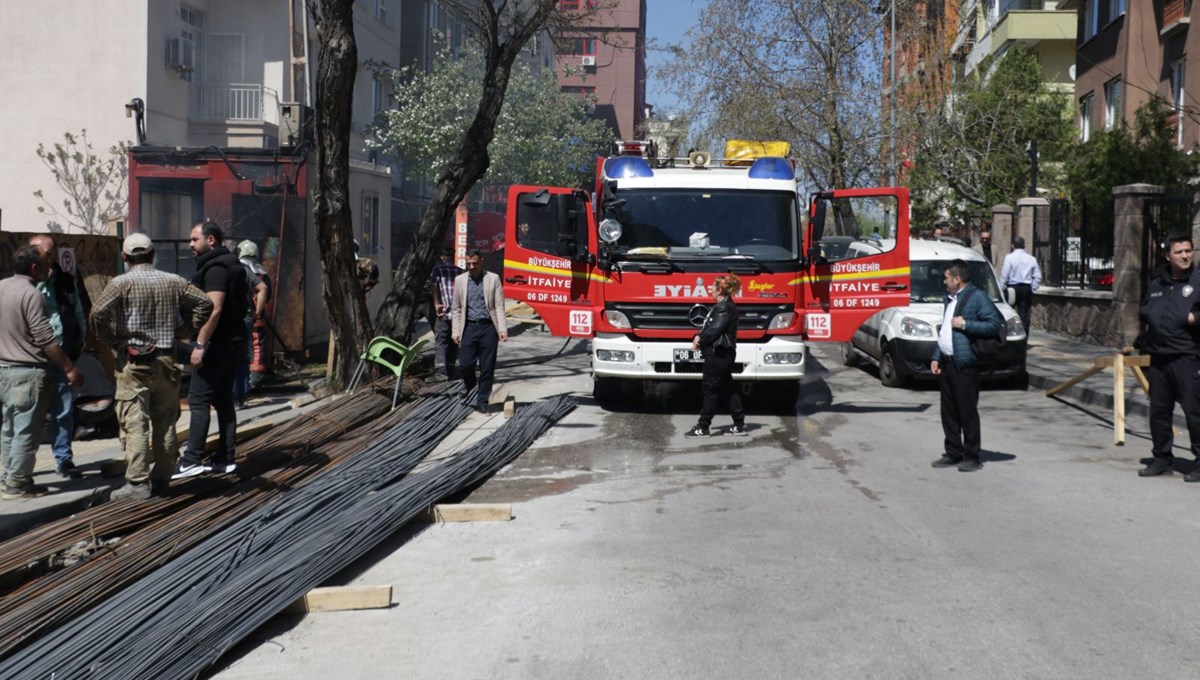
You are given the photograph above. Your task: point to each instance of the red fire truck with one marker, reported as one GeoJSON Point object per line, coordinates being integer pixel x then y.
{"type": "Point", "coordinates": [628, 265]}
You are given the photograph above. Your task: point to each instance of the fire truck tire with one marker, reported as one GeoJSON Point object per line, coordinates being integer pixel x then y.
{"type": "Point", "coordinates": [889, 371]}
{"type": "Point", "coordinates": [849, 354]}
{"type": "Point", "coordinates": [606, 391]}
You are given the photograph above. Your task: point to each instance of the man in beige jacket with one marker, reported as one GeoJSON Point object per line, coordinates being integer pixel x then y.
{"type": "Point", "coordinates": [478, 326]}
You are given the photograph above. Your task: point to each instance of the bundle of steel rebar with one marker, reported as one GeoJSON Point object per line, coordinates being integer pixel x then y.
{"type": "Point", "coordinates": [180, 619]}
{"type": "Point", "coordinates": [105, 565]}
{"type": "Point", "coordinates": [30, 554]}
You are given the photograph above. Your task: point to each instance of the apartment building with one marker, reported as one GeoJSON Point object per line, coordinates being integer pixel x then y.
{"type": "Point", "coordinates": [1129, 50]}
{"type": "Point", "coordinates": [1047, 28]}
{"type": "Point", "coordinates": [605, 60]}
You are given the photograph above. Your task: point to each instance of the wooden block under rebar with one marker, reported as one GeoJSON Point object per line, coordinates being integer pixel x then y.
{"type": "Point", "coordinates": [342, 598]}
{"type": "Point", "coordinates": [470, 512]}
{"type": "Point", "coordinates": [510, 407]}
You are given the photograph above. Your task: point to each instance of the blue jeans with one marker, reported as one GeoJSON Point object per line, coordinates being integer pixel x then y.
{"type": "Point", "coordinates": [446, 357]}
{"type": "Point", "coordinates": [62, 416]}
{"type": "Point", "coordinates": [26, 393]}
{"type": "Point", "coordinates": [479, 344]}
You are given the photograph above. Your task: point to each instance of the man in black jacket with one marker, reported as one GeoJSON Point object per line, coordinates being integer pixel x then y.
{"type": "Point", "coordinates": [220, 345]}
{"type": "Point", "coordinates": [1172, 339]}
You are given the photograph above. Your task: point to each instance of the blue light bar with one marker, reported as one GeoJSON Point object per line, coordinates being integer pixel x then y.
{"type": "Point", "coordinates": [627, 166]}
{"type": "Point", "coordinates": [772, 167]}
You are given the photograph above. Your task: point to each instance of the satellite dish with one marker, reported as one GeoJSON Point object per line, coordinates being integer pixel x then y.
{"type": "Point", "coordinates": [1071, 72]}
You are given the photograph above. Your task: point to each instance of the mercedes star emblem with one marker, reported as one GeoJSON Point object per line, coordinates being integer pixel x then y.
{"type": "Point", "coordinates": [697, 314]}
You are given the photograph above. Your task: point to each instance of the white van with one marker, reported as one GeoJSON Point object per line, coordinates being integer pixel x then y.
{"type": "Point", "coordinates": [902, 339]}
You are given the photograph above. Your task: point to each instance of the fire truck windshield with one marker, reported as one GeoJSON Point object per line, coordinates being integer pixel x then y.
{"type": "Point", "coordinates": [708, 223]}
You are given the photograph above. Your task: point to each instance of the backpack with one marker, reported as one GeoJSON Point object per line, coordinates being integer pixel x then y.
{"type": "Point", "coordinates": [987, 348]}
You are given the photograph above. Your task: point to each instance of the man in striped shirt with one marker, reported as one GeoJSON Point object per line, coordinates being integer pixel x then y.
{"type": "Point", "coordinates": [139, 314]}
{"type": "Point", "coordinates": [441, 280]}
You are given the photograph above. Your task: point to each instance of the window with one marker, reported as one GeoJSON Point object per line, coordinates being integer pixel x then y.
{"type": "Point", "coordinates": [1112, 103]}
{"type": "Point", "coordinates": [381, 10]}
{"type": "Point", "coordinates": [378, 95]}
{"type": "Point", "coordinates": [191, 27]}
{"type": "Point", "coordinates": [1085, 117]}
{"type": "Point", "coordinates": [369, 233]}
{"type": "Point", "coordinates": [1115, 9]}
{"type": "Point", "coordinates": [578, 46]}
{"type": "Point", "coordinates": [1091, 19]}
{"type": "Point", "coordinates": [1178, 73]}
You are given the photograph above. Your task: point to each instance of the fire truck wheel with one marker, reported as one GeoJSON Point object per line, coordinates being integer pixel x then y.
{"type": "Point", "coordinates": [849, 354]}
{"type": "Point", "coordinates": [606, 391]}
{"type": "Point", "coordinates": [889, 372]}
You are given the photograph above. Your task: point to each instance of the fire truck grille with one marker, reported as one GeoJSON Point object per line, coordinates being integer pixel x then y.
{"type": "Point", "coordinates": [691, 368]}
{"type": "Point", "coordinates": [685, 315]}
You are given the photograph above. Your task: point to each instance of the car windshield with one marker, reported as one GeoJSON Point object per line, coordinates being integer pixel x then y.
{"type": "Point", "coordinates": [929, 286]}
{"type": "Point", "coordinates": [708, 223]}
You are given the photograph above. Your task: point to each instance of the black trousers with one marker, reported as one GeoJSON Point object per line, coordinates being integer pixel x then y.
{"type": "Point", "coordinates": [717, 388]}
{"type": "Point", "coordinates": [479, 344]}
{"type": "Point", "coordinates": [1173, 379]}
{"type": "Point", "coordinates": [960, 410]}
{"type": "Point", "coordinates": [211, 385]}
{"type": "Point", "coordinates": [1024, 303]}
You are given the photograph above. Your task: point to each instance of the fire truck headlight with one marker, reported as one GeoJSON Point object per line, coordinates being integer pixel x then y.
{"type": "Point", "coordinates": [779, 358]}
{"type": "Point", "coordinates": [916, 328]}
{"type": "Point", "coordinates": [617, 319]}
{"type": "Point", "coordinates": [1013, 329]}
{"type": "Point", "coordinates": [621, 355]}
{"type": "Point", "coordinates": [783, 320]}
{"type": "Point", "coordinates": [610, 230]}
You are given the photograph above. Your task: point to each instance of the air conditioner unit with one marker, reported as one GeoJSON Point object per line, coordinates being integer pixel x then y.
{"type": "Point", "coordinates": [181, 54]}
{"type": "Point", "coordinates": [294, 124]}
{"type": "Point", "coordinates": [588, 61]}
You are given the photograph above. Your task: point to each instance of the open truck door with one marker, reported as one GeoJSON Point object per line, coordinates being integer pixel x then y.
{"type": "Point", "coordinates": [856, 250]}
{"type": "Point", "coordinates": [549, 258]}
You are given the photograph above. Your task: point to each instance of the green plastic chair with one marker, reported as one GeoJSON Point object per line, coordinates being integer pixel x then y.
{"type": "Point", "coordinates": [390, 354]}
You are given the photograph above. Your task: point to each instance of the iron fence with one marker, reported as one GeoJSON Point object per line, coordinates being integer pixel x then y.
{"type": "Point", "coordinates": [1074, 245]}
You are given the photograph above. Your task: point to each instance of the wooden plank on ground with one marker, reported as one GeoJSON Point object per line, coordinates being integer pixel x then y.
{"type": "Point", "coordinates": [1141, 378]}
{"type": "Point", "coordinates": [343, 598]}
{"type": "Point", "coordinates": [470, 512]}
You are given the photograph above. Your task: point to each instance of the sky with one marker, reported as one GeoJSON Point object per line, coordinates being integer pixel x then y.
{"type": "Point", "coordinates": [666, 22]}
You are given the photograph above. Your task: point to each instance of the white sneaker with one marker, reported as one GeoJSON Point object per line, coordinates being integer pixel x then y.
{"type": "Point", "coordinates": [187, 470]}
{"type": "Point", "coordinates": [223, 469]}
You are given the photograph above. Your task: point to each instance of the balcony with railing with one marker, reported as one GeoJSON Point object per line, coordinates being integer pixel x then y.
{"type": "Point", "coordinates": [241, 102]}
{"type": "Point", "coordinates": [1176, 16]}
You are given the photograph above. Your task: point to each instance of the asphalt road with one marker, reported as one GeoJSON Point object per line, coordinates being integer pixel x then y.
{"type": "Point", "coordinates": [821, 546]}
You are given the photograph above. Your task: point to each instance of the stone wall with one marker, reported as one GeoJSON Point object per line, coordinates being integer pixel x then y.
{"type": "Point", "coordinates": [1083, 315]}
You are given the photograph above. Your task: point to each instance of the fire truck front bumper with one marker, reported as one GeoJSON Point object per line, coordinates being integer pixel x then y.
{"type": "Point", "coordinates": [620, 356]}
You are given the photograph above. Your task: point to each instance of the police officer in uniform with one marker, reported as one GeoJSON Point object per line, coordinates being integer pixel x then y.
{"type": "Point", "coordinates": [1172, 339]}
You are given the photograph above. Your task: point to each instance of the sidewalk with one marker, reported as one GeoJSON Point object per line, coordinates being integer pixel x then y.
{"type": "Point", "coordinates": [1053, 360]}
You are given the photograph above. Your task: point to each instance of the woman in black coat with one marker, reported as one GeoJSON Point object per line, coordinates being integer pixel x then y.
{"type": "Point", "coordinates": [718, 341]}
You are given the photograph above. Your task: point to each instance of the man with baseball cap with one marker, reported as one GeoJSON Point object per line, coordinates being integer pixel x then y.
{"type": "Point", "coordinates": [137, 316]}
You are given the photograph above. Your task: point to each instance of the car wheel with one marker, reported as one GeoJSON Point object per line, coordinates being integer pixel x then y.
{"type": "Point", "coordinates": [849, 354]}
{"type": "Point", "coordinates": [606, 391]}
{"type": "Point", "coordinates": [889, 371]}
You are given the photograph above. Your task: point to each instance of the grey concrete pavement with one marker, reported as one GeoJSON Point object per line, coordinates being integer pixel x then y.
{"type": "Point", "coordinates": [823, 545]}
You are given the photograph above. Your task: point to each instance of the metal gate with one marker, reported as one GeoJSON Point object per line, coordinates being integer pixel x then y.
{"type": "Point", "coordinates": [1163, 217]}
{"type": "Point", "coordinates": [1074, 246]}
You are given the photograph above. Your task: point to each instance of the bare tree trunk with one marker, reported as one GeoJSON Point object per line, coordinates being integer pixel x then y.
{"type": "Point", "coordinates": [398, 311]}
{"type": "Point", "coordinates": [337, 63]}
